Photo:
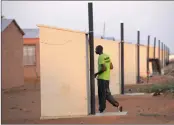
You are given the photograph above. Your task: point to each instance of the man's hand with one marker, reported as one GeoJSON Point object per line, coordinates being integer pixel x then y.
{"type": "Point", "coordinates": [111, 66]}
{"type": "Point", "coordinates": [102, 70]}
{"type": "Point", "coordinates": [95, 75]}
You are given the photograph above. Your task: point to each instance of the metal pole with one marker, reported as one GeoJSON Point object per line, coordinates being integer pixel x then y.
{"type": "Point", "coordinates": [91, 45]}
{"type": "Point", "coordinates": [168, 54]}
{"type": "Point", "coordinates": [122, 57]}
{"type": "Point", "coordinates": [138, 56]}
{"type": "Point", "coordinates": [159, 50]}
{"type": "Point", "coordinates": [154, 48]}
{"type": "Point", "coordinates": [162, 55]}
{"type": "Point", "coordinates": [159, 54]}
{"type": "Point", "coordinates": [148, 43]}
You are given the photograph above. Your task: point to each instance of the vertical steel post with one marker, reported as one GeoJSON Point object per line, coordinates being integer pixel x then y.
{"type": "Point", "coordinates": [168, 53]}
{"type": "Point", "coordinates": [154, 52]}
{"type": "Point", "coordinates": [138, 56]}
{"type": "Point", "coordinates": [148, 43]}
{"type": "Point", "coordinates": [159, 52]}
{"type": "Point", "coordinates": [162, 56]}
{"type": "Point", "coordinates": [91, 45]}
{"type": "Point", "coordinates": [122, 57]}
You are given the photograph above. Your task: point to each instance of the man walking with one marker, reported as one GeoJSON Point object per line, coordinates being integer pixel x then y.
{"type": "Point", "coordinates": [104, 67]}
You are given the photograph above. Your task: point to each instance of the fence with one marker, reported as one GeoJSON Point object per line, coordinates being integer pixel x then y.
{"type": "Point", "coordinates": [65, 74]}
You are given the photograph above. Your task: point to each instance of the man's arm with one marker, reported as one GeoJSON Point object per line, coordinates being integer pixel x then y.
{"type": "Point", "coordinates": [102, 70]}
{"type": "Point", "coordinates": [111, 66]}
{"type": "Point", "coordinates": [103, 67]}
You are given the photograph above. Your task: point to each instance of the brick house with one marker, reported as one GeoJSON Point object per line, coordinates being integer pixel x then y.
{"type": "Point", "coordinates": [31, 54]}
{"type": "Point", "coordinates": [12, 54]}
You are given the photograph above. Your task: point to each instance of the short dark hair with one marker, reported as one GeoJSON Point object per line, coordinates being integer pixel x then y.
{"type": "Point", "coordinates": [99, 47]}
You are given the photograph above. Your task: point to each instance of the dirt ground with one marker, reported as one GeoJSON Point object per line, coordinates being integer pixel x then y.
{"type": "Point", "coordinates": [22, 105]}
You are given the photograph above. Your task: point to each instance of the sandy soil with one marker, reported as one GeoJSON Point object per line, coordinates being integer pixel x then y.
{"type": "Point", "coordinates": [22, 105]}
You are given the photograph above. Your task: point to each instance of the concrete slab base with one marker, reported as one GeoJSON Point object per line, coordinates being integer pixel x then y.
{"type": "Point", "coordinates": [82, 116]}
{"type": "Point", "coordinates": [133, 94]}
{"type": "Point", "coordinates": [111, 114]}
{"type": "Point", "coordinates": [59, 117]}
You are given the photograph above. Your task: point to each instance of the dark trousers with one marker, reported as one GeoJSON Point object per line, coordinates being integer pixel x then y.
{"type": "Point", "coordinates": [105, 94]}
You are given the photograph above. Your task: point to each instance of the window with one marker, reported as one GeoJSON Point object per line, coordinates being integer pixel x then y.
{"type": "Point", "coordinates": [29, 55]}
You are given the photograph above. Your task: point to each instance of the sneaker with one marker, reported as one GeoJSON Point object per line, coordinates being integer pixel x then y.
{"type": "Point", "coordinates": [101, 111]}
{"type": "Point", "coordinates": [120, 108]}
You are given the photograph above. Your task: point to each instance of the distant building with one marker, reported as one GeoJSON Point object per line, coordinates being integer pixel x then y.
{"type": "Point", "coordinates": [108, 38]}
{"type": "Point", "coordinates": [31, 54]}
{"type": "Point", "coordinates": [12, 54]}
{"type": "Point", "coordinates": [171, 58]}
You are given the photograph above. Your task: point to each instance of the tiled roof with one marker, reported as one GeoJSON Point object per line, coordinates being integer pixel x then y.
{"type": "Point", "coordinates": [5, 23]}
{"type": "Point", "coordinates": [31, 33]}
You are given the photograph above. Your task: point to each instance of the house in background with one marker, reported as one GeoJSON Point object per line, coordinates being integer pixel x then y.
{"type": "Point", "coordinates": [108, 38]}
{"type": "Point", "coordinates": [171, 58]}
{"type": "Point", "coordinates": [12, 54]}
{"type": "Point", "coordinates": [31, 54]}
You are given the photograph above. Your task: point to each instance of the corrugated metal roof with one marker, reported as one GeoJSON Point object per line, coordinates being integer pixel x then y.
{"type": "Point", "coordinates": [31, 33]}
{"type": "Point", "coordinates": [5, 23]}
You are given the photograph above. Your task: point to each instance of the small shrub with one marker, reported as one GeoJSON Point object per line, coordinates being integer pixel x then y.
{"type": "Point", "coordinates": [158, 88]}
{"type": "Point", "coordinates": [161, 88]}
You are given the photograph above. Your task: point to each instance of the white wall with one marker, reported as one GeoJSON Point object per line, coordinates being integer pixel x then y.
{"type": "Point", "coordinates": [130, 63]}
{"type": "Point", "coordinates": [143, 61]}
{"type": "Point", "coordinates": [63, 73]}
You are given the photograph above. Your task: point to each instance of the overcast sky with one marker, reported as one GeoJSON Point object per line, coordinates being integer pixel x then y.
{"type": "Point", "coordinates": [150, 17]}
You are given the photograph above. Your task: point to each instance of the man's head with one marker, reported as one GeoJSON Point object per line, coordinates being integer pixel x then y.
{"type": "Point", "coordinates": [99, 49]}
